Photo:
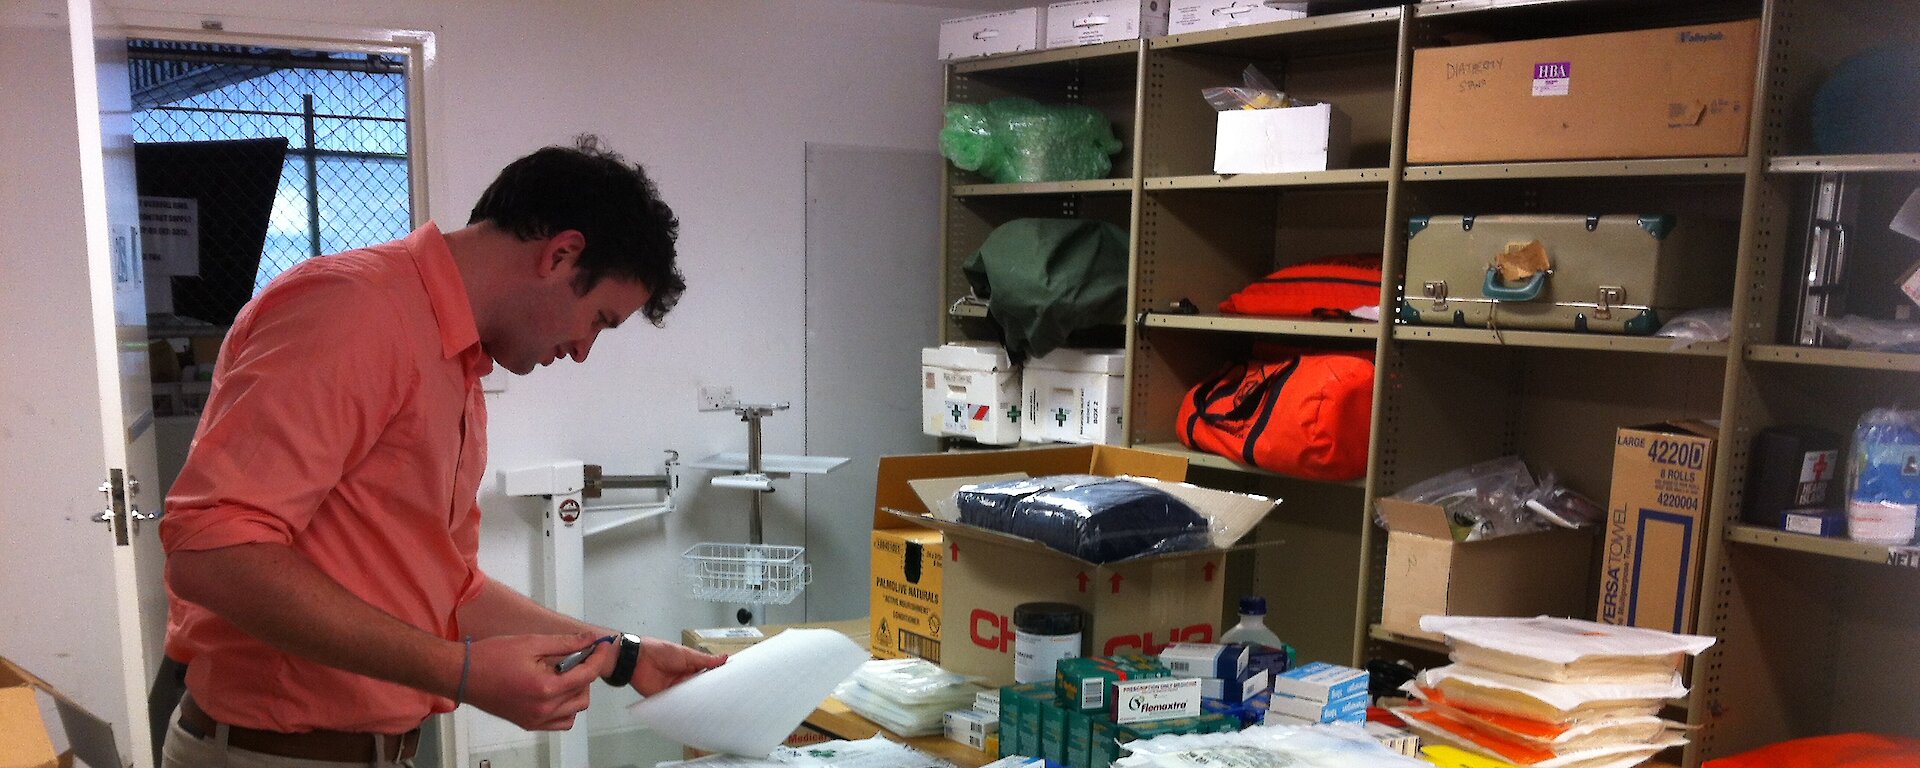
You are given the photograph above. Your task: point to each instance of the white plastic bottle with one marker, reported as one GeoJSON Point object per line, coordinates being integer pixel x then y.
{"type": "Point", "coordinates": [1252, 628]}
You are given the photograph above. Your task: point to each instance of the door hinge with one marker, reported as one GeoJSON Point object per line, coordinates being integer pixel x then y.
{"type": "Point", "coordinates": [122, 515]}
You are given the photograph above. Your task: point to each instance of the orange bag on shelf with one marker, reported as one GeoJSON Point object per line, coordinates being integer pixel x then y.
{"type": "Point", "coordinates": [1327, 287]}
{"type": "Point", "coordinates": [1298, 412]}
{"type": "Point", "coordinates": [1846, 750]}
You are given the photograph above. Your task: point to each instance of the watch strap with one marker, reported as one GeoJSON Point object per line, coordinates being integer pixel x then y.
{"type": "Point", "coordinates": [625, 663]}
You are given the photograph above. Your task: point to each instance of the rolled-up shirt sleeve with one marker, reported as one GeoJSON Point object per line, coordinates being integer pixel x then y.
{"type": "Point", "coordinates": [307, 381]}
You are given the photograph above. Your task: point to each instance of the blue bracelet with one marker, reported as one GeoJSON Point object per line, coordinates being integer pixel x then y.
{"type": "Point", "coordinates": [466, 665]}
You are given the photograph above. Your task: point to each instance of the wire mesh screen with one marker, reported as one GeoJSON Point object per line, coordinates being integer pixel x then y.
{"type": "Point", "coordinates": [343, 183]}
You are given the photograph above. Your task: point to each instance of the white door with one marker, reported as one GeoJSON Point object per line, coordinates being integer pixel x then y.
{"type": "Point", "coordinates": [82, 604]}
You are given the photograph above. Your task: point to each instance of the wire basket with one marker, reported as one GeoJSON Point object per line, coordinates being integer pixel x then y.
{"type": "Point", "coordinates": [754, 574]}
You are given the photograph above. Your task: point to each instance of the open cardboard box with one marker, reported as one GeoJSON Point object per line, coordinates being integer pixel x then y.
{"type": "Point", "coordinates": [25, 739]}
{"type": "Point", "coordinates": [1138, 605]}
{"type": "Point", "coordinates": [1430, 574]}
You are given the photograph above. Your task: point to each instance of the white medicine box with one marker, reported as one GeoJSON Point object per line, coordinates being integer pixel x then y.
{"type": "Point", "coordinates": [1085, 22]}
{"type": "Point", "coordinates": [989, 33]}
{"type": "Point", "coordinates": [1202, 15]}
{"type": "Point", "coordinates": [1287, 140]}
{"type": "Point", "coordinates": [970, 390]}
{"type": "Point", "coordinates": [1073, 396]}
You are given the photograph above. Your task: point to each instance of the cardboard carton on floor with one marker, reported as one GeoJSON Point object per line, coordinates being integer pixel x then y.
{"type": "Point", "coordinates": [1657, 525]}
{"type": "Point", "coordinates": [1139, 605]}
{"type": "Point", "coordinates": [1430, 574]}
{"type": "Point", "coordinates": [1676, 92]}
{"type": "Point", "coordinates": [26, 741]}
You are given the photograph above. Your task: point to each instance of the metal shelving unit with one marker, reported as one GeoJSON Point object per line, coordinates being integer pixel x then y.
{"type": "Point", "coordinates": [1652, 345]}
{"type": "Point", "coordinates": [1091, 186]}
{"type": "Point", "coordinates": [1270, 326]}
{"type": "Point", "coordinates": [1819, 616]}
{"type": "Point", "coordinates": [1834, 358]}
{"type": "Point", "coordinates": [1901, 557]}
{"type": "Point", "coordinates": [1582, 169]}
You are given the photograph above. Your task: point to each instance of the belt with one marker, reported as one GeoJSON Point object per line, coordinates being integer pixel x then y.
{"type": "Point", "coordinates": [326, 746]}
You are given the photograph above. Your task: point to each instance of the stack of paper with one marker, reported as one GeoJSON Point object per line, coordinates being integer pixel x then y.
{"type": "Point", "coordinates": [1552, 693]}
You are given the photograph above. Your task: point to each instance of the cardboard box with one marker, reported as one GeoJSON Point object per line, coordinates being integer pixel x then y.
{"type": "Point", "coordinates": [1085, 22]}
{"type": "Point", "coordinates": [1074, 396]}
{"type": "Point", "coordinates": [1286, 140]}
{"type": "Point", "coordinates": [970, 390]}
{"type": "Point", "coordinates": [1251, 683]}
{"type": "Point", "coordinates": [1321, 682]}
{"type": "Point", "coordinates": [1139, 605]}
{"type": "Point", "coordinates": [1166, 698]}
{"type": "Point", "coordinates": [1205, 660]}
{"type": "Point", "coordinates": [1019, 29]}
{"type": "Point", "coordinates": [1428, 573]}
{"type": "Point", "coordinates": [904, 604]}
{"type": "Point", "coordinates": [26, 741]}
{"type": "Point", "coordinates": [1676, 92]}
{"type": "Point", "coordinates": [1657, 525]}
{"type": "Point", "coordinates": [1219, 14]}
{"type": "Point", "coordinates": [1348, 709]}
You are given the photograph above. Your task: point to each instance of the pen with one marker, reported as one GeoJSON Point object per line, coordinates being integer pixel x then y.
{"type": "Point", "coordinates": [573, 659]}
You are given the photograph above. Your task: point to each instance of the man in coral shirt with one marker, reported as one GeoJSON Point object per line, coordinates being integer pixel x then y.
{"type": "Point", "coordinates": [322, 539]}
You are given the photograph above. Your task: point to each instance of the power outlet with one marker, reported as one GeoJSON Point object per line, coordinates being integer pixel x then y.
{"type": "Point", "coordinates": [716, 398]}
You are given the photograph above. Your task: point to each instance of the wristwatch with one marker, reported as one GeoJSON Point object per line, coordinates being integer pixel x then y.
{"type": "Point", "coordinates": [629, 658]}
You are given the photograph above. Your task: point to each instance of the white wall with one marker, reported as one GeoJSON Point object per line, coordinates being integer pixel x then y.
{"type": "Point", "coordinates": [717, 99]}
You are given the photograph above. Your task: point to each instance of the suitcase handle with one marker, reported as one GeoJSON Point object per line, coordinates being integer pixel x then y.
{"type": "Point", "coordinates": [1527, 291]}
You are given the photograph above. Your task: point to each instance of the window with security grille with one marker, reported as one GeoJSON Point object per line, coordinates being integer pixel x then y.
{"type": "Point", "coordinates": [265, 157]}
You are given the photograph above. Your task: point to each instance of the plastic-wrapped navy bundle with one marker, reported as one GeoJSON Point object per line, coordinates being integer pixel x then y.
{"type": "Point", "coordinates": [1097, 519]}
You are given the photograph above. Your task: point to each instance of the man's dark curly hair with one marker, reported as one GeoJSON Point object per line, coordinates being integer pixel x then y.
{"type": "Point", "coordinates": [629, 230]}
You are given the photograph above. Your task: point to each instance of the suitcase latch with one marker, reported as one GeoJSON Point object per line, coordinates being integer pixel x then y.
{"type": "Point", "coordinates": [1437, 291]}
{"type": "Point", "coordinates": [1610, 297]}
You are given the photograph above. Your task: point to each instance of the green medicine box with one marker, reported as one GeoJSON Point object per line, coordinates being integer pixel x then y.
{"type": "Point", "coordinates": [1053, 731]}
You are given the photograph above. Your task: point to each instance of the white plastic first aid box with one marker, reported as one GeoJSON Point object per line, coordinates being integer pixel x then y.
{"type": "Point", "coordinates": [1085, 22]}
{"type": "Point", "coordinates": [1285, 140]}
{"type": "Point", "coordinates": [1073, 396]}
{"type": "Point", "coordinates": [1219, 14]}
{"type": "Point", "coordinates": [970, 390]}
{"type": "Point", "coordinates": [989, 33]}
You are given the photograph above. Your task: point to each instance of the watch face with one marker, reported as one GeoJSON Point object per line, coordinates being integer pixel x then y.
{"type": "Point", "coordinates": [631, 638]}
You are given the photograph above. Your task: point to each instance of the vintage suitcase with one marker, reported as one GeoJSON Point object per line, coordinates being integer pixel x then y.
{"type": "Point", "coordinates": [1609, 274]}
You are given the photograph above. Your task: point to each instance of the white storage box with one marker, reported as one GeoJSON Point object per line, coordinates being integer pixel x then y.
{"type": "Point", "coordinates": [1220, 14]}
{"type": "Point", "coordinates": [1085, 22]}
{"type": "Point", "coordinates": [989, 33]}
{"type": "Point", "coordinates": [1285, 140]}
{"type": "Point", "coordinates": [1073, 396]}
{"type": "Point", "coordinates": [970, 390]}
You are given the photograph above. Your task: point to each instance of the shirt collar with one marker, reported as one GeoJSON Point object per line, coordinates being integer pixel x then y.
{"type": "Point", "coordinates": [447, 295]}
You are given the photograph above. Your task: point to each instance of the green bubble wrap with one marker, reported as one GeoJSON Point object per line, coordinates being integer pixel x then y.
{"type": "Point", "coordinates": [1021, 140]}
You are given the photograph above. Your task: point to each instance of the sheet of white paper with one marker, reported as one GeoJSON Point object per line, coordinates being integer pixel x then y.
{"type": "Point", "coordinates": [749, 705]}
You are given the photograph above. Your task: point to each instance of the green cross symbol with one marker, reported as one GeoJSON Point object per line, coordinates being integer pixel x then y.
{"type": "Point", "coordinates": [955, 412]}
{"type": "Point", "coordinates": [1060, 415]}
{"type": "Point", "coordinates": [1013, 413]}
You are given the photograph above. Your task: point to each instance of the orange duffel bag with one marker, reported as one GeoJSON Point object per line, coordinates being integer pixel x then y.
{"type": "Point", "coordinates": [1333, 286]}
{"type": "Point", "coordinates": [1298, 412]}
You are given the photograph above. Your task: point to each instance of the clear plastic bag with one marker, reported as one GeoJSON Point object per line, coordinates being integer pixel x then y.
{"type": "Point", "coordinates": [1867, 333]}
{"type": "Point", "coordinates": [1254, 92]}
{"type": "Point", "coordinates": [1016, 139]}
{"type": "Point", "coordinates": [1097, 519]}
{"type": "Point", "coordinates": [907, 696]}
{"type": "Point", "coordinates": [1500, 497]}
{"type": "Point", "coordinates": [1699, 325]}
{"type": "Point", "coordinates": [915, 682]}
